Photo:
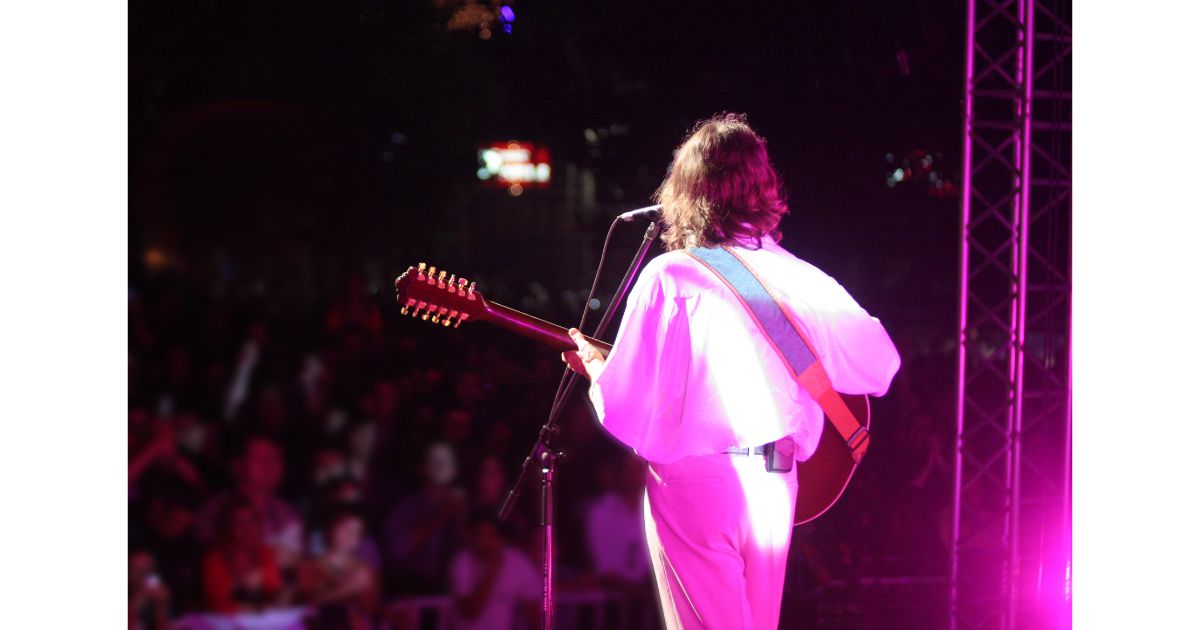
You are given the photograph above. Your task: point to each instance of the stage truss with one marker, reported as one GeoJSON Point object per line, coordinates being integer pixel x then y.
{"type": "Point", "coordinates": [1010, 561]}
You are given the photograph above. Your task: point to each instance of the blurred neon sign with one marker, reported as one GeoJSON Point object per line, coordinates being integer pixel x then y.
{"type": "Point", "coordinates": [503, 164]}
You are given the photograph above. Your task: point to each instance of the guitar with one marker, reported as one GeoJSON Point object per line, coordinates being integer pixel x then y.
{"type": "Point", "coordinates": [425, 292]}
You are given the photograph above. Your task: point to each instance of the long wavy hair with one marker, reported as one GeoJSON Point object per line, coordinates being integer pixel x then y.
{"type": "Point", "coordinates": [721, 187]}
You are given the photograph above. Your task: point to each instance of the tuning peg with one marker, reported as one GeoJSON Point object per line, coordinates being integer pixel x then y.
{"type": "Point", "coordinates": [471, 289]}
{"type": "Point", "coordinates": [462, 283]}
{"type": "Point", "coordinates": [420, 267]}
{"type": "Point", "coordinates": [446, 322]}
{"type": "Point", "coordinates": [434, 319]}
{"type": "Point", "coordinates": [404, 310]}
{"type": "Point", "coordinates": [450, 282]}
{"type": "Point", "coordinates": [432, 271]}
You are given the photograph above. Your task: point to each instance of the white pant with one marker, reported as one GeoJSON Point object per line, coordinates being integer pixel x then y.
{"type": "Point", "coordinates": [718, 528]}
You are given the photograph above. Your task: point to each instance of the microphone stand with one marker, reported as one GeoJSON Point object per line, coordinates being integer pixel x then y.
{"type": "Point", "coordinates": [546, 456]}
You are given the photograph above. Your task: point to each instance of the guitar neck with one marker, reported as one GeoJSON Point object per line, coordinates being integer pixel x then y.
{"type": "Point", "coordinates": [536, 329]}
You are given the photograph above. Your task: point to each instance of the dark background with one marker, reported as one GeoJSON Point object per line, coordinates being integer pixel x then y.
{"type": "Point", "coordinates": [288, 158]}
{"type": "Point", "coordinates": [348, 130]}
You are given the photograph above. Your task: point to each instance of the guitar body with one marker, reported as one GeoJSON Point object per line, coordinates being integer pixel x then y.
{"type": "Point", "coordinates": [824, 476]}
{"type": "Point", "coordinates": [427, 293]}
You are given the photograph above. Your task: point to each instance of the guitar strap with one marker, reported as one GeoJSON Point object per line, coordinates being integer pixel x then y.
{"type": "Point", "coordinates": [783, 332]}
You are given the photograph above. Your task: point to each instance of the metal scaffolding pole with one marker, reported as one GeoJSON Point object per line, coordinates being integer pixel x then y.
{"type": "Point", "coordinates": [1012, 454]}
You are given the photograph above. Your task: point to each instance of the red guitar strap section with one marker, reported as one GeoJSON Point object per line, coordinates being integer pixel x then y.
{"type": "Point", "coordinates": [813, 378]}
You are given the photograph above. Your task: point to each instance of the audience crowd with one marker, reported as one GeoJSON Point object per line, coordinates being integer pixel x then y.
{"type": "Point", "coordinates": [323, 454]}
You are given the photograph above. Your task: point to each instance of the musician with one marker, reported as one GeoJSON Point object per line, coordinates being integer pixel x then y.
{"type": "Point", "coordinates": [691, 379]}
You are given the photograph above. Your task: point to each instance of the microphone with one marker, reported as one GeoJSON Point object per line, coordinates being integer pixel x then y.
{"type": "Point", "coordinates": [649, 212]}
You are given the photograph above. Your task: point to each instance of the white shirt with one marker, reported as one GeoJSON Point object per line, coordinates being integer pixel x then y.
{"type": "Point", "coordinates": [616, 538]}
{"type": "Point", "coordinates": [690, 373]}
{"type": "Point", "coordinates": [516, 582]}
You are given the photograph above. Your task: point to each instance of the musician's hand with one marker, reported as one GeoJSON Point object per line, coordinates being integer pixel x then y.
{"type": "Point", "coordinates": [586, 359]}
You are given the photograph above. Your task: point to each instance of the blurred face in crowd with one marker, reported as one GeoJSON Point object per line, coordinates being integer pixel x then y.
{"type": "Point", "coordinates": [486, 540]}
{"type": "Point", "coordinates": [190, 432]}
{"type": "Point", "coordinates": [492, 482]}
{"type": "Point", "coordinates": [328, 463]}
{"type": "Point", "coordinates": [242, 529]}
{"type": "Point", "coordinates": [336, 420]}
{"type": "Point", "coordinates": [387, 399]}
{"type": "Point", "coordinates": [346, 491]}
{"type": "Point", "coordinates": [261, 467]}
{"type": "Point", "coordinates": [141, 568]}
{"type": "Point", "coordinates": [430, 378]}
{"type": "Point", "coordinates": [170, 520]}
{"type": "Point", "coordinates": [314, 379]}
{"type": "Point", "coordinates": [362, 440]}
{"type": "Point", "coordinates": [457, 426]}
{"type": "Point", "coordinates": [345, 534]}
{"type": "Point", "coordinates": [440, 467]}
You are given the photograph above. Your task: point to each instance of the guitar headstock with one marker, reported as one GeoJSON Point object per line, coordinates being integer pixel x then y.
{"type": "Point", "coordinates": [426, 292]}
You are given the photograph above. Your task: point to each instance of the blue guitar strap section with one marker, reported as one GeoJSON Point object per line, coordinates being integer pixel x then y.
{"type": "Point", "coordinates": [770, 317]}
{"type": "Point", "coordinates": [791, 345]}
